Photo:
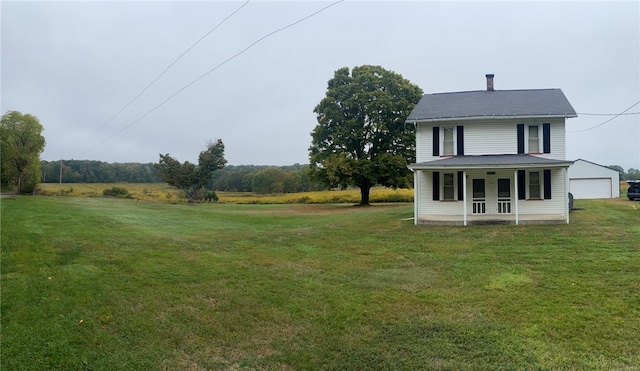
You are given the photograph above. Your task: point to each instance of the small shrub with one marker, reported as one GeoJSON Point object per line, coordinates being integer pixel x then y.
{"type": "Point", "coordinates": [210, 196]}
{"type": "Point", "coordinates": [115, 192]}
{"type": "Point", "coordinates": [65, 192]}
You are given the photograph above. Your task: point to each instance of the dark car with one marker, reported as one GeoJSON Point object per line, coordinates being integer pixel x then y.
{"type": "Point", "coordinates": [634, 189]}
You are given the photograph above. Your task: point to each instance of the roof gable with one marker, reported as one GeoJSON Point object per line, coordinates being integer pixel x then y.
{"type": "Point", "coordinates": [492, 104]}
{"type": "Point", "coordinates": [583, 168]}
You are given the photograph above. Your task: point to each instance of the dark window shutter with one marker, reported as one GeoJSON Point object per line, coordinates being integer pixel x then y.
{"type": "Point", "coordinates": [460, 183]}
{"type": "Point", "coordinates": [460, 140]}
{"type": "Point", "coordinates": [546, 138]}
{"type": "Point", "coordinates": [520, 138]}
{"type": "Point", "coordinates": [547, 184]}
{"type": "Point", "coordinates": [522, 185]}
{"type": "Point", "coordinates": [436, 141]}
{"type": "Point", "coordinates": [436, 186]}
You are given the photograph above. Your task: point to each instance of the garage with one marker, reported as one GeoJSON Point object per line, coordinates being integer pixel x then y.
{"type": "Point", "coordinates": [590, 180]}
{"type": "Point", "coordinates": [591, 188]}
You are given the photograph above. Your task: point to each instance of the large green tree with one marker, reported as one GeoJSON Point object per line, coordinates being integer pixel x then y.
{"type": "Point", "coordinates": [362, 138]}
{"type": "Point", "coordinates": [21, 143]}
{"type": "Point", "coordinates": [188, 177]}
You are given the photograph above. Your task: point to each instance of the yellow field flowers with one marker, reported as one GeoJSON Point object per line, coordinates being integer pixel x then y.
{"type": "Point", "coordinates": [162, 192]}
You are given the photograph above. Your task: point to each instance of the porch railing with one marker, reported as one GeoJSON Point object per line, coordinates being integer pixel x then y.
{"type": "Point", "coordinates": [479, 206]}
{"type": "Point", "coordinates": [504, 206]}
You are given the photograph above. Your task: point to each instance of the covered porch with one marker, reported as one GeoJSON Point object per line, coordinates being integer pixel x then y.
{"type": "Point", "coordinates": [491, 189]}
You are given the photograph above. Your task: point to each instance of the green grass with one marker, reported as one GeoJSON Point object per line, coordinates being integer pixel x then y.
{"type": "Point", "coordinates": [104, 284]}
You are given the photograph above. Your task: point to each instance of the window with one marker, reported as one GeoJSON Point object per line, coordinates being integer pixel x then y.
{"type": "Point", "coordinates": [534, 139]}
{"type": "Point", "coordinates": [534, 184]}
{"type": "Point", "coordinates": [448, 186]}
{"type": "Point", "coordinates": [447, 141]}
{"type": "Point", "coordinates": [531, 137]}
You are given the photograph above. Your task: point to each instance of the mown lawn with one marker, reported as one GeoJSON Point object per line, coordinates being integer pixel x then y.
{"type": "Point", "coordinates": [119, 284]}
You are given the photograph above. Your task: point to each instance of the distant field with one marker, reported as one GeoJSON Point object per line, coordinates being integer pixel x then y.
{"type": "Point", "coordinates": [162, 192]}
{"type": "Point", "coordinates": [115, 284]}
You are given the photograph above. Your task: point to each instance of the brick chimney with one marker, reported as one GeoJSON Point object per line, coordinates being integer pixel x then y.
{"type": "Point", "coordinates": [489, 82]}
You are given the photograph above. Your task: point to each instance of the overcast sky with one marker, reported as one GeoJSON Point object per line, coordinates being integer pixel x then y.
{"type": "Point", "coordinates": [74, 65]}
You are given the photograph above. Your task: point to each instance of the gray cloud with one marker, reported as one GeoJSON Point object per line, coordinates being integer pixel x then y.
{"type": "Point", "coordinates": [75, 64]}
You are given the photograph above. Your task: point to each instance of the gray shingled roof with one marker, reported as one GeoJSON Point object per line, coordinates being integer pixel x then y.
{"type": "Point", "coordinates": [495, 161]}
{"type": "Point", "coordinates": [497, 103]}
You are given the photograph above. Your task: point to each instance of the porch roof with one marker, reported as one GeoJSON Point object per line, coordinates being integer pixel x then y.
{"type": "Point", "coordinates": [490, 161]}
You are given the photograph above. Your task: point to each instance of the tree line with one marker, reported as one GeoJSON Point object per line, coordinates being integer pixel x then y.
{"type": "Point", "coordinates": [231, 178]}
{"type": "Point", "coordinates": [628, 175]}
{"type": "Point", "coordinates": [87, 171]}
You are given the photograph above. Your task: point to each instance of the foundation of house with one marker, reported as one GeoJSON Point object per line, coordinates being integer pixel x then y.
{"type": "Point", "coordinates": [491, 219]}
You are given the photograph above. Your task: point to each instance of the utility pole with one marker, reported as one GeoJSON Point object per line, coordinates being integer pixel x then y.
{"type": "Point", "coordinates": [60, 176]}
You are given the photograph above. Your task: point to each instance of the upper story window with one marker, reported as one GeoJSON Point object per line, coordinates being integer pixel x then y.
{"type": "Point", "coordinates": [531, 135]}
{"type": "Point", "coordinates": [534, 139]}
{"type": "Point", "coordinates": [448, 141]}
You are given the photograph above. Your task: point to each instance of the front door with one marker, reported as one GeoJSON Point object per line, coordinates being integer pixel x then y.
{"type": "Point", "coordinates": [504, 196]}
{"type": "Point", "coordinates": [479, 197]}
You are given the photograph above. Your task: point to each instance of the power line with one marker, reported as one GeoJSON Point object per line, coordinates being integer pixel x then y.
{"type": "Point", "coordinates": [213, 69]}
{"type": "Point", "coordinates": [161, 74]}
{"type": "Point", "coordinates": [604, 122]}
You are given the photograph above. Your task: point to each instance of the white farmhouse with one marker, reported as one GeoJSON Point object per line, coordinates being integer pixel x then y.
{"type": "Point", "coordinates": [491, 156]}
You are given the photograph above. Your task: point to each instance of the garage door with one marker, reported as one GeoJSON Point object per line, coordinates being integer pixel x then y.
{"type": "Point", "coordinates": [590, 188]}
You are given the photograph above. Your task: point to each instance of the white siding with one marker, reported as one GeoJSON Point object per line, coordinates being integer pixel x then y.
{"type": "Point", "coordinates": [426, 204]}
{"type": "Point", "coordinates": [486, 137]}
{"type": "Point", "coordinates": [424, 143]}
{"type": "Point", "coordinates": [558, 140]}
{"type": "Point", "coordinates": [554, 206]}
{"type": "Point", "coordinates": [422, 192]}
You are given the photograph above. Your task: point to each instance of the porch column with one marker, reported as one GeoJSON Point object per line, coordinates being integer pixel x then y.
{"type": "Point", "coordinates": [566, 193]}
{"type": "Point", "coordinates": [416, 192]}
{"type": "Point", "coordinates": [464, 198]}
{"type": "Point", "coordinates": [516, 198]}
